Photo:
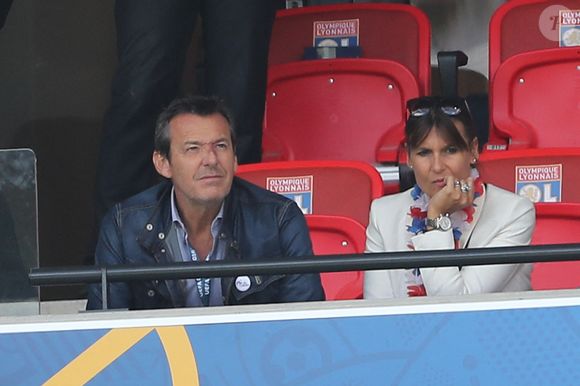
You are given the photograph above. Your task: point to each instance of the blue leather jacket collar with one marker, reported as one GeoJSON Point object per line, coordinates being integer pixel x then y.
{"type": "Point", "coordinates": [257, 224]}
{"type": "Point", "coordinates": [159, 238]}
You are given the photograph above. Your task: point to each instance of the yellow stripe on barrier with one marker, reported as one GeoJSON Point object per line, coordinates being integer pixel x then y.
{"type": "Point", "coordinates": [98, 356]}
{"type": "Point", "coordinates": [180, 357]}
{"type": "Point", "coordinates": [106, 350]}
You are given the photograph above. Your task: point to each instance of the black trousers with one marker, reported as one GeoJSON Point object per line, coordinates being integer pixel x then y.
{"type": "Point", "coordinates": [152, 39]}
{"type": "Point", "coordinates": [325, 2]}
{"type": "Point", "coordinates": [4, 8]}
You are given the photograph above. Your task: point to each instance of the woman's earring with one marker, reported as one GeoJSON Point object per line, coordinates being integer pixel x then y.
{"type": "Point", "coordinates": [410, 166]}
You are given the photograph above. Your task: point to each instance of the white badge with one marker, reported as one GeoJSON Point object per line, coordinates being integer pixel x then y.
{"type": "Point", "coordinates": [243, 283]}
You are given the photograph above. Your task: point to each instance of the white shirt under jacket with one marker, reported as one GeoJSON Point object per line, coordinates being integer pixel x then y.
{"type": "Point", "coordinates": [502, 219]}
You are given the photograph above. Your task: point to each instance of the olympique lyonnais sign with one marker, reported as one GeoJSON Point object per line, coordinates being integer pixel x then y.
{"type": "Point", "coordinates": [540, 183]}
{"type": "Point", "coordinates": [296, 188]}
{"type": "Point", "coordinates": [336, 33]}
{"type": "Point", "coordinates": [569, 28]}
{"type": "Point", "coordinates": [569, 17]}
{"type": "Point", "coordinates": [336, 28]}
{"type": "Point", "coordinates": [539, 173]}
{"type": "Point", "coordinates": [290, 184]}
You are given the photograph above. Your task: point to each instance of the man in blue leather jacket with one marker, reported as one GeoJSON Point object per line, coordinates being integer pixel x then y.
{"type": "Point", "coordinates": [203, 213]}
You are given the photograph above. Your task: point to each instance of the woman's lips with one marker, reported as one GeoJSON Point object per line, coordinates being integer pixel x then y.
{"type": "Point", "coordinates": [439, 182]}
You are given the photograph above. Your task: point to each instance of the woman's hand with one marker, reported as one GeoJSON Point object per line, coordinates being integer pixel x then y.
{"type": "Point", "coordinates": [455, 195]}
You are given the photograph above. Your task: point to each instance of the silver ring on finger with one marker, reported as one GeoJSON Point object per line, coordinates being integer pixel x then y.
{"type": "Point", "coordinates": [457, 183]}
{"type": "Point", "coordinates": [465, 188]}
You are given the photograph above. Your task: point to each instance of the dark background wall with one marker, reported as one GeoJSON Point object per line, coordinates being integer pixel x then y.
{"type": "Point", "coordinates": [56, 61]}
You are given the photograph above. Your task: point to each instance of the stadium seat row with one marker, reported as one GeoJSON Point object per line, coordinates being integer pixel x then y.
{"type": "Point", "coordinates": [336, 196]}
{"type": "Point", "coordinates": [353, 108]}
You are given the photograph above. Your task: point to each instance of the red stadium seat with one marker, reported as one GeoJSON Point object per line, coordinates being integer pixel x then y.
{"type": "Point", "coordinates": [516, 170]}
{"type": "Point", "coordinates": [556, 224]}
{"type": "Point", "coordinates": [397, 32]}
{"type": "Point", "coordinates": [337, 109]}
{"type": "Point", "coordinates": [527, 67]}
{"type": "Point", "coordinates": [354, 108]}
{"type": "Point", "coordinates": [536, 99]}
{"type": "Point", "coordinates": [338, 188]}
{"type": "Point", "coordinates": [333, 235]}
{"type": "Point", "coordinates": [520, 26]}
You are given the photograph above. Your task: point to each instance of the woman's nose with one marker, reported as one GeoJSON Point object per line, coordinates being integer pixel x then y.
{"type": "Point", "coordinates": [437, 164]}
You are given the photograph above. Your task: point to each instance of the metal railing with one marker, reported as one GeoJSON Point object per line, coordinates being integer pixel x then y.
{"type": "Point", "coordinates": [328, 263]}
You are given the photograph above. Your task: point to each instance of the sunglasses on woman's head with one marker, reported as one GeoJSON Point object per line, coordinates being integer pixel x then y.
{"type": "Point", "coordinates": [451, 107]}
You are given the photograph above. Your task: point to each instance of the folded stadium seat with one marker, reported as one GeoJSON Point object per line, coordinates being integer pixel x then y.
{"type": "Point", "coordinates": [339, 188]}
{"type": "Point", "coordinates": [535, 99]}
{"type": "Point", "coordinates": [345, 107]}
{"type": "Point", "coordinates": [543, 175]}
{"type": "Point", "coordinates": [336, 235]}
{"type": "Point", "coordinates": [336, 198]}
{"type": "Point", "coordinates": [525, 27]}
{"type": "Point", "coordinates": [350, 109]}
{"type": "Point", "coordinates": [556, 223]}
{"type": "Point", "coordinates": [396, 32]}
{"type": "Point", "coordinates": [519, 26]}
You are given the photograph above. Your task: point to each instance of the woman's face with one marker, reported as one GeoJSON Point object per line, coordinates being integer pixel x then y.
{"type": "Point", "coordinates": [434, 159]}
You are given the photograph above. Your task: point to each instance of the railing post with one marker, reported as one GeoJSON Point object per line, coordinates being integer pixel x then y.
{"type": "Point", "coordinates": [104, 288]}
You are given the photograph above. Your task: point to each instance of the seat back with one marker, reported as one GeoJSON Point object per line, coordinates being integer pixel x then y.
{"type": "Point", "coordinates": [556, 224]}
{"type": "Point", "coordinates": [543, 175]}
{"type": "Point", "coordinates": [535, 99]}
{"type": "Point", "coordinates": [520, 26]}
{"type": "Point", "coordinates": [340, 188]}
{"type": "Point", "coordinates": [532, 92]}
{"type": "Point", "coordinates": [334, 235]}
{"type": "Point", "coordinates": [351, 109]}
{"type": "Point", "coordinates": [397, 32]}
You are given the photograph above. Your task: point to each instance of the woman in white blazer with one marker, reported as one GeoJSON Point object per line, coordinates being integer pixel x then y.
{"type": "Point", "coordinates": [448, 208]}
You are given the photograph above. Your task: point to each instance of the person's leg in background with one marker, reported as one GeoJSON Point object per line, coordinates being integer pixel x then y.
{"type": "Point", "coordinates": [323, 2]}
{"type": "Point", "coordinates": [4, 8]}
{"type": "Point", "coordinates": [236, 39]}
{"type": "Point", "coordinates": [152, 40]}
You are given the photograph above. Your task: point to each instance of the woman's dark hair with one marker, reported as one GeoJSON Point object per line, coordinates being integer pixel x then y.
{"type": "Point", "coordinates": [435, 113]}
{"type": "Point", "coordinates": [440, 114]}
{"type": "Point", "coordinates": [196, 105]}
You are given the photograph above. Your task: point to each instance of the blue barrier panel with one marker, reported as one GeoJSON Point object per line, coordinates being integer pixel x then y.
{"type": "Point", "coordinates": [511, 339]}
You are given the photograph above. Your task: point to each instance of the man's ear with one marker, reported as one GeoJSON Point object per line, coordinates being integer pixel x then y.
{"type": "Point", "coordinates": [162, 164]}
{"type": "Point", "coordinates": [235, 163]}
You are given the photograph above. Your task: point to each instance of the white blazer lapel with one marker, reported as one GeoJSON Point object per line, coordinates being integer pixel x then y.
{"type": "Point", "coordinates": [479, 203]}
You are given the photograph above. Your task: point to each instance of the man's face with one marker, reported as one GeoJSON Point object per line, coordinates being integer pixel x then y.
{"type": "Point", "coordinates": [202, 162]}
